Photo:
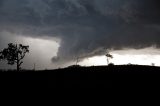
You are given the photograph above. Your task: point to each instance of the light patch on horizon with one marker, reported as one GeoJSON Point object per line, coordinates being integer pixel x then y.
{"type": "Point", "coordinates": [145, 56]}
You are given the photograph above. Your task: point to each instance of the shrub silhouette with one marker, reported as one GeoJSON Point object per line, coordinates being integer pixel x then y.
{"type": "Point", "coordinates": [111, 64]}
{"type": "Point", "coordinates": [14, 54]}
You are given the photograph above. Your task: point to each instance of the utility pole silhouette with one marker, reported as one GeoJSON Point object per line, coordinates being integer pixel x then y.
{"type": "Point", "coordinates": [77, 61]}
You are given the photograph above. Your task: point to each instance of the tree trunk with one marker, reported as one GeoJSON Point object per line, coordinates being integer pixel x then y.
{"type": "Point", "coordinates": [17, 61]}
{"type": "Point", "coordinates": [18, 69]}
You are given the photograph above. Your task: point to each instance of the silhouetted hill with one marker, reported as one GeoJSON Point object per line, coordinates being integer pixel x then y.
{"type": "Point", "coordinates": [124, 76]}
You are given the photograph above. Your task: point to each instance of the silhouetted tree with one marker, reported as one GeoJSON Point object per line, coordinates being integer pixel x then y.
{"type": "Point", "coordinates": [109, 56]}
{"type": "Point", "coordinates": [14, 54]}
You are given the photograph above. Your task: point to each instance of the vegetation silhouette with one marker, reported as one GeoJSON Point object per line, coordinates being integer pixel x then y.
{"type": "Point", "coordinates": [111, 64]}
{"type": "Point", "coordinates": [117, 76]}
{"type": "Point", "coordinates": [14, 54]}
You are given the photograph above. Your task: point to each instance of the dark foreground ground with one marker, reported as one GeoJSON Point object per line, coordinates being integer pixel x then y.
{"type": "Point", "coordinates": [85, 77]}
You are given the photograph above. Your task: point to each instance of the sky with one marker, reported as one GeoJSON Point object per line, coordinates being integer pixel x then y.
{"type": "Point", "coordinates": [60, 31]}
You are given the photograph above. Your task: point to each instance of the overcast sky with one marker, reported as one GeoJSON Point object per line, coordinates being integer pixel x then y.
{"type": "Point", "coordinates": [67, 29]}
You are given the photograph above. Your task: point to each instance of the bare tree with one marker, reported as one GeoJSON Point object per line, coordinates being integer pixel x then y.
{"type": "Point", "coordinates": [14, 54]}
{"type": "Point", "coordinates": [109, 56]}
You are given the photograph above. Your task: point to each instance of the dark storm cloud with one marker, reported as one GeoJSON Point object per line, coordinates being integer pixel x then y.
{"type": "Point", "coordinates": [85, 27]}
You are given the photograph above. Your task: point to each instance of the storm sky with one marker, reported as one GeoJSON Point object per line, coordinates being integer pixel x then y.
{"type": "Point", "coordinates": [83, 28]}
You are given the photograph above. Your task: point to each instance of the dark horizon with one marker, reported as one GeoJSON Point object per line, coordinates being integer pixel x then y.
{"type": "Point", "coordinates": [130, 76]}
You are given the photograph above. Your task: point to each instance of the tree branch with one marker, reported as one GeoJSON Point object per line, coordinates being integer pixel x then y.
{"type": "Point", "coordinates": [20, 63]}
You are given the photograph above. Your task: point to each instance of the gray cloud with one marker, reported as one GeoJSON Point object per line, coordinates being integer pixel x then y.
{"type": "Point", "coordinates": [85, 27]}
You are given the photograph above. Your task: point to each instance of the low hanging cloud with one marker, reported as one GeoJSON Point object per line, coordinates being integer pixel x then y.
{"type": "Point", "coordinates": [85, 27]}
